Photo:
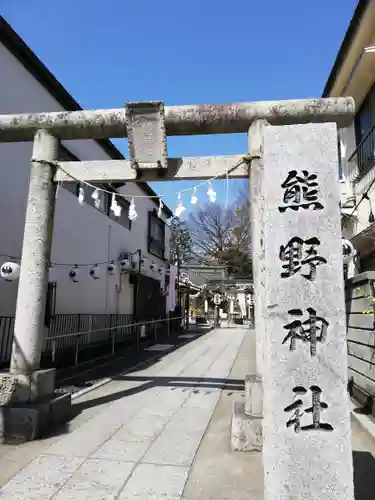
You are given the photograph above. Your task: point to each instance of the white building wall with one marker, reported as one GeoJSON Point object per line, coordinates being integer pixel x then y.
{"type": "Point", "coordinates": [81, 234]}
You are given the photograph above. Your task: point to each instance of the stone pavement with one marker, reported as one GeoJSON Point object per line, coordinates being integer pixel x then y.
{"type": "Point", "coordinates": [135, 437]}
{"type": "Point", "coordinates": [140, 436]}
{"type": "Point", "coordinates": [217, 472]}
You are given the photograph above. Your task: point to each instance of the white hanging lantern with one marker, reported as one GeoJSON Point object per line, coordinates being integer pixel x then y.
{"type": "Point", "coordinates": [10, 271]}
{"type": "Point", "coordinates": [160, 270]}
{"type": "Point", "coordinates": [348, 251]}
{"type": "Point", "coordinates": [95, 272]}
{"type": "Point", "coordinates": [132, 211]}
{"type": "Point", "coordinates": [81, 195]}
{"type": "Point", "coordinates": [153, 266]}
{"type": "Point", "coordinates": [211, 193]}
{"type": "Point", "coordinates": [74, 274]}
{"type": "Point", "coordinates": [180, 207]}
{"type": "Point", "coordinates": [111, 268]}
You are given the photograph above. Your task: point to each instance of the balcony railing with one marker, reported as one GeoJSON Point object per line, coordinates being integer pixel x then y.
{"type": "Point", "coordinates": [363, 158]}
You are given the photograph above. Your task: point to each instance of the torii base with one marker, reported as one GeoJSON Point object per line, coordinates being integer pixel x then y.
{"type": "Point", "coordinates": [29, 408]}
{"type": "Point", "coordinates": [247, 417]}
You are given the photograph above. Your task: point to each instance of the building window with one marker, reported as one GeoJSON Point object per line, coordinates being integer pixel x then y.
{"type": "Point", "coordinates": [66, 155]}
{"type": "Point", "coordinates": [365, 118]}
{"type": "Point", "coordinates": [124, 217]}
{"type": "Point", "coordinates": [72, 187]}
{"type": "Point", "coordinates": [365, 134]}
{"type": "Point", "coordinates": [156, 235]}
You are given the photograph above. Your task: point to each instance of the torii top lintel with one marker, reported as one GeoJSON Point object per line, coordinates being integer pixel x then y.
{"type": "Point", "coordinates": [179, 120]}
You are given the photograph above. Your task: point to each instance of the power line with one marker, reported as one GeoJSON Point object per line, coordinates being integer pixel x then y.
{"type": "Point", "coordinates": [59, 264]}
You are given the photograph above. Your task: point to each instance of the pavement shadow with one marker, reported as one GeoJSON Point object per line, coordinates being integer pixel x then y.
{"type": "Point", "coordinates": [206, 385]}
{"type": "Point", "coordinates": [125, 360]}
{"type": "Point", "coordinates": [115, 369]}
{"type": "Point", "coordinates": [364, 475]}
{"type": "Point", "coordinates": [363, 410]}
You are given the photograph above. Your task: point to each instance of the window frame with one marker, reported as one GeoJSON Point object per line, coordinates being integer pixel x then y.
{"type": "Point", "coordinates": [364, 113]}
{"type": "Point", "coordinates": [153, 218]}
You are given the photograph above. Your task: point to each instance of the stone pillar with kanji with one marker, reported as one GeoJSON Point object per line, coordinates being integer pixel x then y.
{"type": "Point", "coordinates": [306, 420]}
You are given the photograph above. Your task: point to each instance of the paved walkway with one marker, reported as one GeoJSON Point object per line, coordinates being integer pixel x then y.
{"type": "Point", "coordinates": [218, 473]}
{"type": "Point", "coordinates": [140, 436]}
{"type": "Point", "coordinates": [134, 438]}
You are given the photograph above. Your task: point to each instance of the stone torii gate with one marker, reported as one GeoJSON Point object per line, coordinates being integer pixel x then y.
{"type": "Point", "coordinates": [291, 163]}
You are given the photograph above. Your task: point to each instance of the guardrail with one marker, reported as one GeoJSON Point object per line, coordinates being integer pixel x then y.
{"type": "Point", "coordinates": [70, 334]}
{"type": "Point", "coordinates": [113, 334]}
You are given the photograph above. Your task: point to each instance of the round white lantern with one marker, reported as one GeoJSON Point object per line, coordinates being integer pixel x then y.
{"type": "Point", "coordinates": [10, 271]}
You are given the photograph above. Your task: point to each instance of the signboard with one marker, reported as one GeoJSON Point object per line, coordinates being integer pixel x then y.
{"type": "Point", "coordinates": [145, 126]}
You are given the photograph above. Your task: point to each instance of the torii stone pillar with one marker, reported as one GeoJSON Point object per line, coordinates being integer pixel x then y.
{"type": "Point", "coordinates": [37, 242]}
{"type": "Point", "coordinates": [29, 407]}
{"type": "Point", "coordinates": [246, 432]}
{"type": "Point", "coordinates": [307, 450]}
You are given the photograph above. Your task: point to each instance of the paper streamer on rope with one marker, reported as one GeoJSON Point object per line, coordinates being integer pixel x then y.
{"type": "Point", "coordinates": [132, 211]}
{"type": "Point", "coordinates": [194, 198]}
{"type": "Point", "coordinates": [180, 207]}
{"type": "Point", "coordinates": [96, 197]}
{"type": "Point", "coordinates": [211, 193]}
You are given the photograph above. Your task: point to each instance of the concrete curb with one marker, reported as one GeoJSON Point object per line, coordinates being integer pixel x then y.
{"type": "Point", "coordinates": [362, 419]}
{"type": "Point", "coordinates": [139, 365]}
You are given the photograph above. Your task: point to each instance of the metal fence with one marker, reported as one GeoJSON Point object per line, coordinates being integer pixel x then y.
{"type": "Point", "coordinates": [64, 325]}
{"type": "Point", "coordinates": [70, 334]}
{"type": "Point", "coordinates": [6, 338]}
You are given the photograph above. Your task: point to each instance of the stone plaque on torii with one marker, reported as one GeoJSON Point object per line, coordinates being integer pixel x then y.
{"type": "Point", "coordinates": [292, 165]}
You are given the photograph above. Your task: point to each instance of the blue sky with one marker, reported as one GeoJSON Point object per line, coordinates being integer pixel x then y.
{"type": "Point", "coordinates": [185, 52]}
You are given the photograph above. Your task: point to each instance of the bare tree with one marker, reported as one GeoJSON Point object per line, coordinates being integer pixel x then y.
{"type": "Point", "coordinates": [223, 236]}
{"type": "Point", "coordinates": [242, 230]}
{"type": "Point", "coordinates": [210, 230]}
